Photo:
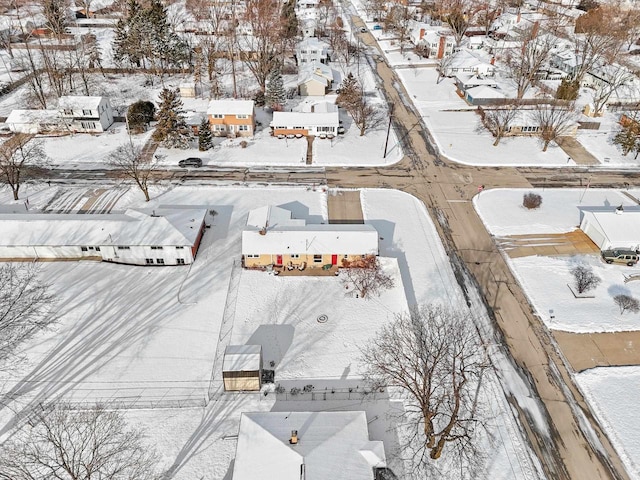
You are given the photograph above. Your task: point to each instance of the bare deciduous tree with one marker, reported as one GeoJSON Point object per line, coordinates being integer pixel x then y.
{"type": "Point", "coordinates": [365, 278]}
{"type": "Point", "coordinates": [457, 14]}
{"type": "Point", "coordinates": [498, 121]}
{"type": "Point", "coordinates": [60, 443]}
{"type": "Point", "coordinates": [614, 77]}
{"type": "Point", "coordinates": [130, 161]}
{"type": "Point", "coordinates": [554, 121]}
{"type": "Point", "coordinates": [524, 63]}
{"type": "Point", "coordinates": [584, 278]}
{"type": "Point", "coordinates": [433, 354]}
{"type": "Point", "coordinates": [19, 157]}
{"type": "Point", "coordinates": [25, 306]}
{"type": "Point", "coordinates": [627, 302]}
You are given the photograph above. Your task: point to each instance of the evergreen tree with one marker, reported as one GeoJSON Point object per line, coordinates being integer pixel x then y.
{"type": "Point", "coordinates": [350, 92]}
{"type": "Point", "coordinates": [205, 138]}
{"type": "Point", "coordinates": [275, 96]}
{"type": "Point", "coordinates": [290, 20]}
{"type": "Point", "coordinates": [139, 115]}
{"type": "Point", "coordinates": [171, 129]}
{"type": "Point", "coordinates": [628, 138]}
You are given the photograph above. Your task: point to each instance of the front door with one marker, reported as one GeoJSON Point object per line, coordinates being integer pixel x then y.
{"type": "Point", "coordinates": [334, 259]}
{"type": "Point", "coordinates": [278, 259]}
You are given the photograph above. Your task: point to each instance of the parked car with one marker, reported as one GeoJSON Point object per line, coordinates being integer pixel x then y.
{"type": "Point", "coordinates": [628, 257]}
{"type": "Point", "coordinates": [377, 27]}
{"type": "Point", "coordinates": [363, 30]}
{"type": "Point", "coordinates": [190, 162]}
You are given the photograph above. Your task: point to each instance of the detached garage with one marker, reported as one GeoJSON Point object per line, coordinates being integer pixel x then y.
{"type": "Point", "coordinates": [613, 228]}
{"type": "Point", "coordinates": [242, 368]}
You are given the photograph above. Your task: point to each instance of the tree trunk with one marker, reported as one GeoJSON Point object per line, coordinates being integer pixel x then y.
{"type": "Point", "coordinates": [436, 452]}
{"type": "Point", "coordinates": [546, 145]}
{"type": "Point", "coordinates": [146, 194]}
{"type": "Point", "coordinates": [15, 191]}
{"type": "Point", "coordinates": [497, 140]}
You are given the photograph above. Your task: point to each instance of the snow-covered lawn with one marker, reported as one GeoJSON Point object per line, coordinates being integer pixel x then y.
{"type": "Point", "coordinates": [613, 393]}
{"type": "Point", "coordinates": [545, 281]}
{"type": "Point", "coordinates": [502, 211]}
{"type": "Point", "coordinates": [599, 142]}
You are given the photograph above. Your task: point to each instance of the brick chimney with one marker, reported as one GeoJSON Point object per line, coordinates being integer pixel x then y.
{"type": "Point", "coordinates": [294, 437]}
{"type": "Point", "coordinates": [421, 33]}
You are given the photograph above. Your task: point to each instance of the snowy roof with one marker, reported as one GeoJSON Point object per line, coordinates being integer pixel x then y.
{"type": "Point", "coordinates": [484, 91]}
{"type": "Point", "coordinates": [304, 119]}
{"type": "Point", "coordinates": [312, 240]}
{"type": "Point", "coordinates": [622, 230]}
{"type": "Point", "coordinates": [80, 102]}
{"type": "Point", "coordinates": [242, 358]}
{"type": "Point", "coordinates": [230, 107]}
{"type": "Point", "coordinates": [168, 226]}
{"type": "Point", "coordinates": [313, 42]}
{"type": "Point", "coordinates": [272, 216]}
{"type": "Point", "coordinates": [194, 118]}
{"type": "Point", "coordinates": [331, 445]}
{"type": "Point", "coordinates": [472, 80]}
{"type": "Point", "coordinates": [33, 116]}
{"type": "Point", "coordinates": [324, 107]}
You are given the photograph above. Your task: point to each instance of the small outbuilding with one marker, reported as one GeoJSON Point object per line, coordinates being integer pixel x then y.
{"type": "Point", "coordinates": [242, 368]}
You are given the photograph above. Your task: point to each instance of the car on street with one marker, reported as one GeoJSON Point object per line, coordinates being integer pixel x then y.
{"type": "Point", "coordinates": [363, 30]}
{"type": "Point", "coordinates": [377, 27]}
{"type": "Point", "coordinates": [190, 162]}
{"type": "Point", "coordinates": [627, 257]}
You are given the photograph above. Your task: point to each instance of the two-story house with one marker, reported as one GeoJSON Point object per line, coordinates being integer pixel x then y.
{"type": "Point", "coordinates": [234, 118]}
{"type": "Point", "coordinates": [312, 50]}
{"type": "Point", "coordinates": [86, 114]}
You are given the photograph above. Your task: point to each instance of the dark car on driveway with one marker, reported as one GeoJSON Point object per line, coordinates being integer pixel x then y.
{"type": "Point", "coordinates": [190, 162]}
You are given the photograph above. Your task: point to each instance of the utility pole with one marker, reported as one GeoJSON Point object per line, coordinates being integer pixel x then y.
{"type": "Point", "coordinates": [386, 142]}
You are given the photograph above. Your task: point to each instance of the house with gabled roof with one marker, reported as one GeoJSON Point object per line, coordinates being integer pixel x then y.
{"type": "Point", "coordinates": [306, 445]}
{"type": "Point", "coordinates": [273, 238]}
{"type": "Point", "coordinates": [164, 236]}
{"type": "Point", "coordinates": [315, 78]}
{"type": "Point", "coordinates": [311, 50]}
{"type": "Point", "coordinates": [86, 114]}
{"type": "Point", "coordinates": [232, 118]}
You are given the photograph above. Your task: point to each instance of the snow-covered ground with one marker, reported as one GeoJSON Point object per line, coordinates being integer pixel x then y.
{"type": "Point", "coordinates": [148, 336]}
{"type": "Point", "coordinates": [613, 393]}
{"type": "Point", "coordinates": [545, 280]}
{"type": "Point", "coordinates": [502, 211]}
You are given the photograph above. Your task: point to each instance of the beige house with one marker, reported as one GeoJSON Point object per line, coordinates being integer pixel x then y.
{"type": "Point", "coordinates": [242, 368]}
{"type": "Point", "coordinates": [283, 242]}
{"type": "Point", "coordinates": [315, 79]}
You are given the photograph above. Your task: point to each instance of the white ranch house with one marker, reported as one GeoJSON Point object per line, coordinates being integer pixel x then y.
{"type": "Point", "coordinates": [86, 114]}
{"type": "Point", "coordinates": [305, 123]}
{"type": "Point", "coordinates": [165, 236]}
{"type": "Point", "coordinates": [612, 228]}
{"type": "Point", "coordinates": [306, 445]}
{"type": "Point", "coordinates": [34, 121]}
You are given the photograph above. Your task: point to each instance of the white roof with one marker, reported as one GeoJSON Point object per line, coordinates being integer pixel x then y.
{"type": "Point", "coordinates": [312, 42]}
{"type": "Point", "coordinates": [468, 79]}
{"type": "Point", "coordinates": [169, 226]}
{"type": "Point", "coordinates": [272, 216]}
{"type": "Point", "coordinates": [242, 358]}
{"type": "Point", "coordinates": [33, 117]}
{"type": "Point", "coordinates": [465, 59]}
{"type": "Point", "coordinates": [79, 102]}
{"type": "Point", "coordinates": [312, 240]}
{"type": "Point", "coordinates": [621, 230]}
{"type": "Point", "coordinates": [484, 91]}
{"type": "Point", "coordinates": [331, 445]}
{"type": "Point", "coordinates": [230, 107]}
{"type": "Point", "coordinates": [304, 119]}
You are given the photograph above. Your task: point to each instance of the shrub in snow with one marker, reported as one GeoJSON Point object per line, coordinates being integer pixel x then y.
{"type": "Point", "coordinates": [532, 200]}
{"type": "Point", "coordinates": [279, 389]}
{"type": "Point", "coordinates": [585, 279]}
{"type": "Point", "coordinates": [295, 391]}
{"type": "Point", "coordinates": [243, 144]}
{"type": "Point", "coordinates": [307, 388]}
{"type": "Point", "coordinates": [627, 302]}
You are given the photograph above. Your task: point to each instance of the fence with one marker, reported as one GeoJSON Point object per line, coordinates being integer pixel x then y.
{"type": "Point", "coordinates": [329, 394]}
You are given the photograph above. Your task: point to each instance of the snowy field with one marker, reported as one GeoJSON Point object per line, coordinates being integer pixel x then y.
{"type": "Point", "coordinates": [502, 211]}
{"type": "Point", "coordinates": [545, 281]}
{"type": "Point", "coordinates": [613, 393]}
{"type": "Point", "coordinates": [150, 335]}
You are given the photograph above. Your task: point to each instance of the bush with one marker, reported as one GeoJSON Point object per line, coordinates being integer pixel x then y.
{"type": "Point", "coordinates": [568, 90]}
{"type": "Point", "coordinates": [295, 391]}
{"type": "Point", "coordinates": [532, 200]}
{"type": "Point", "coordinates": [244, 144]}
{"type": "Point", "coordinates": [280, 389]}
{"type": "Point", "coordinates": [307, 388]}
{"type": "Point", "coordinates": [627, 302]}
{"type": "Point", "coordinates": [585, 279]}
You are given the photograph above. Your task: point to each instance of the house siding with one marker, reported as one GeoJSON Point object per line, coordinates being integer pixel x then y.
{"type": "Point", "coordinates": [238, 382]}
{"type": "Point", "coordinates": [265, 260]}
{"type": "Point", "coordinates": [230, 123]}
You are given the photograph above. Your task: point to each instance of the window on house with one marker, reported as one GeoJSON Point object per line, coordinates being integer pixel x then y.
{"type": "Point", "coordinates": [325, 129]}
{"type": "Point", "coordinates": [160, 261]}
{"type": "Point", "coordinates": [97, 249]}
{"type": "Point", "coordinates": [88, 125]}
{"type": "Point", "coordinates": [298, 128]}
{"type": "Point", "coordinates": [179, 261]}
{"type": "Point", "coordinates": [317, 258]}
{"type": "Point", "coordinates": [252, 255]}
{"type": "Point", "coordinates": [219, 128]}
{"type": "Point", "coordinates": [86, 112]}
{"type": "Point", "coordinates": [155, 247]}
{"type": "Point", "coordinates": [124, 248]}
{"type": "Point", "coordinates": [243, 128]}
{"type": "Point", "coordinates": [242, 117]}
{"type": "Point", "coordinates": [84, 249]}
{"type": "Point", "coordinates": [179, 248]}
{"type": "Point", "coordinates": [217, 115]}
{"type": "Point", "coordinates": [149, 261]}
{"type": "Point", "coordinates": [295, 255]}
{"type": "Point", "coordinates": [68, 111]}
